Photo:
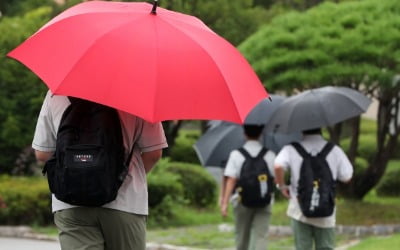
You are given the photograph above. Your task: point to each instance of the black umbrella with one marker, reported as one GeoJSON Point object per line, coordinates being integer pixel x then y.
{"type": "Point", "coordinates": [213, 148]}
{"type": "Point", "coordinates": [317, 108]}
{"type": "Point", "coordinates": [221, 138]}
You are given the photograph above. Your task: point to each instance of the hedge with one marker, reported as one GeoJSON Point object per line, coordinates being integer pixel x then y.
{"type": "Point", "coordinates": [26, 200]}
{"type": "Point", "coordinates": [183, 150]}
{"type": "Point", "coordinates": [200, 188]}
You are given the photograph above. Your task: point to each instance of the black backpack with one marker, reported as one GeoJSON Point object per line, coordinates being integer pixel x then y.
{"type": "Point", "coordinates": [316, 187]}
{"type": "Point", "coordinates": [88, 166]}
{"type": "Point", "coordinates": [256, 184]}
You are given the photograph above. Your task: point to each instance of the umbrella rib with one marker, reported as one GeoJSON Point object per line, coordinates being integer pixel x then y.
{"type": "Point", "coordinates": [290, 114]}
{"type": "Point", "coordinates": [156, 75]}
{"type": "Point", "coordinates": [321, 104]}
{"type": "Point", "coordinates": [350, 99]}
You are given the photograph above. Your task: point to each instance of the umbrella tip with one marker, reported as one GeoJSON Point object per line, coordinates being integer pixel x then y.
{"type": "Point", "coordinates": [269, 98]}
{"type": "Point", "coordinates": [153, 10]}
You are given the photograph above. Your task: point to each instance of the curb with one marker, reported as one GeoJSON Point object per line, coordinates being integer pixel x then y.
{"type": "Point", "coordinates": [357, 231]}
{"type": "Point", "coordinates": [23, 232]}
{"type": "Point", "coordinates": [156, 246]}
{"type": "Point", "coordinates": [26, 232]}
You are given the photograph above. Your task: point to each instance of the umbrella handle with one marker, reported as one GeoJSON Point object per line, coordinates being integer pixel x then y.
{"type": "Point", "coordinates": [153, 10]}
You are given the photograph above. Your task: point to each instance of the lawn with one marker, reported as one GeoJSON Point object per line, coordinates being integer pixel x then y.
{"type": "Point", "coordinates": [202, 228]}
{"type": "Point", "coordinates": [209, 234]}
{"type": "Point", "coordinates": [379, 243]}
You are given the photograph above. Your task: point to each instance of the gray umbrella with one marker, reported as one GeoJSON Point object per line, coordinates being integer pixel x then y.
{"type": "Point", "coordinates": [214, 146]}
{"type": "Point", "coordinates": [221, 138]}
{"type": "Point", "coordinates": [318, 108]}
{"type": "Point", "coordinates": [259, 115]}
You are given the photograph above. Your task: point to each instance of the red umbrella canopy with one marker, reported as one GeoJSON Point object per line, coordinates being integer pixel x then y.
{"type": "Point", "coordinates": [159, 66]}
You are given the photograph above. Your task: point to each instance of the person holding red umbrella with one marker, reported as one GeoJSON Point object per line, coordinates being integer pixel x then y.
{"type": "Point", "coordinates": [121, 223]}
{"type": "Point", "coordinates": [119, 54]}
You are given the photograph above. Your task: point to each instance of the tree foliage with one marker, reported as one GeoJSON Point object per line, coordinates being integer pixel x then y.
{"type": "Point", "coordinates": [355, 44]}
{"type": "Point", "coordinates": [233, 20]}
{"type": "Point", "coordinates": [16, 7]}
{"type": "Point", "coordinates": [21, 91]}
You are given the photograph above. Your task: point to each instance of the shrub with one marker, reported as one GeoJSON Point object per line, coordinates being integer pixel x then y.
{"type": "Point", "coordinates": [183, 150]}
{"type": "Point", "coordinates": [173, 185]}
{"type": "Point", "coordinates": [25, 201]}
{"type": "Point", "coordinates": [366, 145]}
{"type": "Point", "coordinates": [360, 165]}
{"type": "Point", "coordinates": [199, 186]}
{"type": "Point", "coordinates": [389, 185]}
{"type": "Point", "coordinates": [162, 185]}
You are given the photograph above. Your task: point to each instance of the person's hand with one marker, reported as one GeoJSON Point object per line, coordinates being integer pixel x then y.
{"type": "Point", "coordinates": [224, 209]}
{"type": "Point", "coordinates": [285, 192]}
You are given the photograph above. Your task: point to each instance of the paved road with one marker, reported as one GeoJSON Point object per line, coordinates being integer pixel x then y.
{"type": "Point", "coordinates": [27, 244]}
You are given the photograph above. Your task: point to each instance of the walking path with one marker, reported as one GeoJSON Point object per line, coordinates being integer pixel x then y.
{"type": "Point", "coordinates": [22, 237]}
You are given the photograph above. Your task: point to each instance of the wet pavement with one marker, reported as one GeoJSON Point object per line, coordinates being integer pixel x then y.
{"type": "Point", "coordinates": [27, 244]}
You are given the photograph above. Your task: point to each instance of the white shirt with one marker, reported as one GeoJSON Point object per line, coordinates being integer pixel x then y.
{"type": "Point", "coordinates": [289, 159]}
{"type": "Point", "coordinates": [132, 196]}
{"type": "Point", "coordinates": [236, 159]}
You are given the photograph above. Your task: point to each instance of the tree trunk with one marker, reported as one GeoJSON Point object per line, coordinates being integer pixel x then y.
{"type": "Point", "coordinates": [386, 144]}
{"type": "Point", "coordinates": [375, 171]}
{"type": "Point", "coordinates": [171, 129]}
{"type": "Point", "coordinates": [203, 126]}
{"type": "Point", "coordinates": [355, 132]}
{"type": "Point", "coordinates": [335, 132]}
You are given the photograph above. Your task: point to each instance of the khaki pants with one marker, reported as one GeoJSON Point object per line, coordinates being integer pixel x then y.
{"type": "Point", "coordinates": [97, 228]}
{"type": "Point", "coordinates": [306, 235]}
{"type": "Point", "coordinates": [251, 227]}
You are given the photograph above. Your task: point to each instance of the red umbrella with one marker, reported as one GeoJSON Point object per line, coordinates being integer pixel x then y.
{"type": "Point", "coordinates": [159, 65]}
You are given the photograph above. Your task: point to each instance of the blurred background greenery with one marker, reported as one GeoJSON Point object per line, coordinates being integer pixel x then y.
{"type": "Point", "coordinates": [293, 45]}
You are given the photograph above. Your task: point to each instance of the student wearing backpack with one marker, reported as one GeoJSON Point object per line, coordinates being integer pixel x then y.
{"type": "Point", "coordinates": [315, 165]}
{"type": "Point", "coordinates": [120, 223]}
{"type": "Point", "coordinates": [249, 186]}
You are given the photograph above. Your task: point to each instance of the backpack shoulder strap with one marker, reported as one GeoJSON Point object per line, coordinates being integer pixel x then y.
{"type": "Point", "coordinates": [300, 149]}
{"type": "Point", "coordinates": [75, 100]}
{"type": "Point", "coordinates": [244, 153]}
{"type": "Point", "coordinates": [262, 152]}
{"type": "Point", "coordinates": [326, 149]}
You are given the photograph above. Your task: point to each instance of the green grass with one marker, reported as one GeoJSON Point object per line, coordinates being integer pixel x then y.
{"type": "Point", "coordinates": [379, 243]}
{"type": "Point", "coordinates": [369, 212]}
{"type": "Point", "coordinates": [210, 237]}
{"type": "Point", "coordinates": [204, 232]}
{"type": "Point", "coordinates": [47, 230]}
{"type": "Point", "coordinates": [372, 197]}
{"type": "Point", "coordinates": [206, 236]}
{"type": "Point", "coordinates": [199, 228]}
{"type": "Point", "coordinates": [187, 216]}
